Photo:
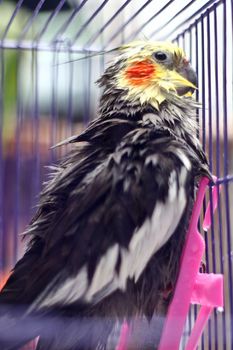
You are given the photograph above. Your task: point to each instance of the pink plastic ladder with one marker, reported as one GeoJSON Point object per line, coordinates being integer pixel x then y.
{"type": "Point", "coordinates": [191, 287]}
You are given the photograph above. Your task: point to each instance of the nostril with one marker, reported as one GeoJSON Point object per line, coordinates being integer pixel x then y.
{"type": "Point", "coordinates": [186, 62]}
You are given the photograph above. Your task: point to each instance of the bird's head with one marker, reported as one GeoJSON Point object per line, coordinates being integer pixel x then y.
{"type": "Point", "coordinates": [150, 71]}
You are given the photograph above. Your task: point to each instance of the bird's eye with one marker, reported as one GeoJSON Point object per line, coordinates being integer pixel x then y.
{"type": "Point", "coordinates": [160, 56]}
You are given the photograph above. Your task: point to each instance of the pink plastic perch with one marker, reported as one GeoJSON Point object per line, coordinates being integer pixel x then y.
{"type": "Point", "coordinates": [191, 287]}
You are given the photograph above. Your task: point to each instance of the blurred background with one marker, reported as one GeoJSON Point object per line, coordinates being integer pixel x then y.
{"type": "Point", "coordinates": [51, 54]}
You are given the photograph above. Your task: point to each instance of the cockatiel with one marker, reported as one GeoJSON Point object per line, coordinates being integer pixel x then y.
{"type": "Point", "coordinates": [106, 241]}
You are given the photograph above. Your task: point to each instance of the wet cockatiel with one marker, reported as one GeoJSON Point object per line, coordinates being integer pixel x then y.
{"type": "Point", "coordinates": [106, 241]}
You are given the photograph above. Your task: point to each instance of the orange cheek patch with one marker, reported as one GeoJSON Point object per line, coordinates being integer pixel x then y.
{"type": "Point", "coordinates": [140, 72]}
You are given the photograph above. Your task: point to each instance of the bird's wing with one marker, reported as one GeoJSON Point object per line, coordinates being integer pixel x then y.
{"type": "Point", "coordinates": [40, 264]}
{"type": "Point", "coordinates": [118, 217]}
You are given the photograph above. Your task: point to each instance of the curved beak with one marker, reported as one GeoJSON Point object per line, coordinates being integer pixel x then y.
{"type": "Point", "coordinates": [183, 79]}
{"type": "Point", "coordinates": [188, 73]}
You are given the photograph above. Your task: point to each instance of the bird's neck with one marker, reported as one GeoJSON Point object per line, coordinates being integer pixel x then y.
{"type": "Point", "coordinates": [179, 114]}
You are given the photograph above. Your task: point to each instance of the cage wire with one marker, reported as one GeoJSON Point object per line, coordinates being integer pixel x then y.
{"type": "Point", "coordinates": [44, 99]}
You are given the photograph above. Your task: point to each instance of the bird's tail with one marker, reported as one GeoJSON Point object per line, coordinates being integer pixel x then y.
{"type": "Point", "coordinates": [76, 334]}
{"type": "Point", "coordinates": [16, 330]}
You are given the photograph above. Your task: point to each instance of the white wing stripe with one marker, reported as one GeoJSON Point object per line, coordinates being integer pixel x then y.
{"type": "Point", "coordinates": [104, 272]}
{"type": "Point", "coordinates": [72, 290]}
{"type": "Point", "coordinates": [153, 234]}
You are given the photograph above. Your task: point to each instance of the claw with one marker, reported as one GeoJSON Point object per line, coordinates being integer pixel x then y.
{"type": "Point", "coordinates": [202, 268]}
